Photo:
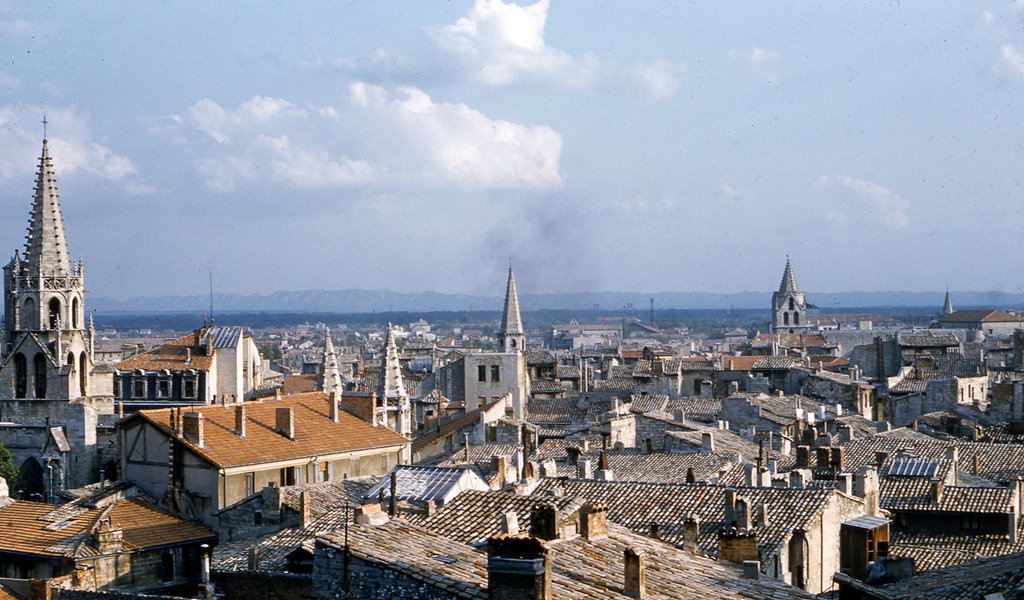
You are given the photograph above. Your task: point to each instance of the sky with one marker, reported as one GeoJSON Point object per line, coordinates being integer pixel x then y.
{"type": "Point", "coordinates": [598, 146]}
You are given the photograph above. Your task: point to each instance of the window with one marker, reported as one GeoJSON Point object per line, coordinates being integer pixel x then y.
{"type": "Point", "coordinates": [481, 373]}
{"type": "Point", "coordinates": [257, 518]}
{"type": "Point", "coordinates": [785, 318]}
{"type": "Point", "coordinates": [39, 364]}
{"type": "Point", "coordinates": [117, 387]}
{"type": "Point", "coordinates": [138, 387]}
{"type": "Point", "coordinates": [791, 305]}
{"type": "Point", "coordinates": [163, 388]}
{"type": "Point", "coordinates": [796, 318]}
{"type": "Point", "coordinates": [250, 484]}
{"type": "Point", "coordinates": [166, 566]}
{"type": "Point", "coordinates": [323, 471]}
{"type": "Point", "coordinates": [83, 374]}
{"type": "Point", "coordinates": [54, 312]}
{"type": "Point", "coordinates": [495, 373]}
{"type": "Point", "coordinates": [74, 313]}
{"type": "Point", "coordinates": [190, 388]}
{"type": "Point", "coordinates": [288, 476]}
{"type": "Point", "coordinates": [20, 375]}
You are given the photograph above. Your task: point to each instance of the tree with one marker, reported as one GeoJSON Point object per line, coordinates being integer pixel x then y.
{"type": "Point", "coordinates": [7, 469]}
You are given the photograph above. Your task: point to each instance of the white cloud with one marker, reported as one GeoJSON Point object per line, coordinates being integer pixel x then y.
{"type": "Point", "coordinates": [728, 192]}
{"type": "Point", "coordinates": [501, 44]}
{"type": "Point", "coordinates": [883, 205]}
{"type": "Point", "coordinates": [1013, 58]}
{"type": "Point", "coordinates": [70, 141]}
{"type": "Point", "coordinates": [379, 137]}
{"type": "Point", "coordinates": [20, 30]}
{"type": "Point", "coordinates": [764, 64]}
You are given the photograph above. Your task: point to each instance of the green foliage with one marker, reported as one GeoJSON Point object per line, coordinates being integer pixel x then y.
{"type": "Point", "coordinates": [7, 469]}
{"type": "Point", "coordinates": [270, 351]}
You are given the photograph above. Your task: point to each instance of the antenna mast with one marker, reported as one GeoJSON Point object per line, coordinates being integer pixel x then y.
{"type": "Point", "coordinates": [211, 296]}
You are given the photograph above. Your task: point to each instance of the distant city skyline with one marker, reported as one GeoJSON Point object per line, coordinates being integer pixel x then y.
{"type": "Point", "coordinates": [418, 147]}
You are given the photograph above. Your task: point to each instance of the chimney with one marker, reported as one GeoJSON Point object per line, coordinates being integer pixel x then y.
{"type": "Point", "coordinates": [544, 522]}
{"type": "Point", "coordinates": [799, 478]}
{"type": "Point", "coordinates": [865, 485]}
{"type": "Point", "coordinates": [679, 416]}
{"type": "Point", "coordinates": [39, 589]}
{"type": "Point", "coordinates": [518, 569]}
{"type": "Point", "coordinates": [573, 453]}
{"type": "Point", "coordinates": [509, 523]}
{"type": "Point", "coordinates": [333, 409]}
{"type": "Point", "coordinates": [748, 475]}
{"type": "Point", "coordinates": [707, 442]}
{"type": "Point", "coordinates": [823, 456]}
{"type": "Point", "coordinates": [192, 427]}
{"type": "Point", "coordinates": [803, 457]}
{"type": "Point", "coordinates": [845, 433]}
{"type": "Point", "coordinates": [691, 533]}
{"type": "Point", "coordinates": [936, 490]}
{"type": "Point", "coordinates": [254, 558]}
{"type": "Point", "coordinates": [880, 458]}
{"type": "Point", "coordinates": [393, 508]}
{"type": "Point", "coordinates": [285, 421]}
{"type": "Point", "coordinates": [976, 467]}
{"type": "Point", "coordinates": [500, 465]}
{"type": "Point", "coordinates": [635, 585]}
{"type": "Point", "coordinates": [594, 521]}
{"type": "Point", "coordinates": [737, 545]}
{"type": "Point", "coordinates": [548, 468]}
{"type": "Point", "coordinates": [655, 530]}
{"type": "Point", "coordinates": [751, 569]}
{"type": "Point", "coordinates": [370, 514]}
{"type": "Point", "coordinates": [836, 458]}
{"type": "Point", "coordinates": [844, 481]}
{"type": "Point", "coordinates": [304, 518]}
{"type": "Point", "coordinates": [108, 538]}
{"type": "Point", "coordinates": [762, 514]}
{"type": "Point", "coordinates": [584, 469]}
{"type": "Point", "coordinates": [240, 420]}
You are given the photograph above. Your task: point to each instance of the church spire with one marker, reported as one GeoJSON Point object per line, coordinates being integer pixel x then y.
{"type": "Point", "coordinates": [512, 337]}
{"type": "Point", "coordinates": [788, 280]}
{"type": "Point", "coordinates": [46, 251]}
{"type": "Point", "coordinates": [947, 308]}
{"type": "Point", "coordinates": [331, 376]}
{"type": "Point", "coordinates": [391, 388]}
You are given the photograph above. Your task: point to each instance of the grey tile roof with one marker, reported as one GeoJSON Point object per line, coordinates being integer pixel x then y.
{"type": "Point", "coordinates": [638, 505]}
{"type": "Point", "coordinates": [973, 579]}
{"type": "Point", "coordinates": [422, 484]}
{"type": "Point", "coordinates": [581, 569]}
{"type": "Point", "coordinates": [705, 410]}
{"type": "Point", "coordinates": [643, 403]}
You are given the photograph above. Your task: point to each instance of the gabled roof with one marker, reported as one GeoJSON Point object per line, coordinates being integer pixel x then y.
{"type": "Point", "coordinates": [980, 316]}
{"type": "Point", "coordinates": [176, 355]}
{"type": "Point", "coordinates": [315, 433]}
{"type": "Point", "coordinates": [422, 484]}
{"type": "Point", "coordinates": [66, 531]}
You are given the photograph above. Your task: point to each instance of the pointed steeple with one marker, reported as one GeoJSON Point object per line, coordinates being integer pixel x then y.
{"type": "Point", "coordinates": [391, 388]}
{"type": "Point", "coordinates": [511, 334]}
{"type": "Point", "coordinates": [331, 376]}
{"type": "Point", "coordinates": [46, 251]}
{"type": "Point", "coordinates": [788, 280]}
{"type": "Point", "coordinates": [947, 308]}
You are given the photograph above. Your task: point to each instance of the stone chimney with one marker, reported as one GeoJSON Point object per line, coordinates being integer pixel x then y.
{"type": "Point", "coordinates": [936, 490]}
{"type": "Point", "coordinates": [752, 569]}
{"type": "Point", "coordinates": [691, 533]}
{"type": "Point", "coordinates": [285, 421]}
{"type": "Point", "coordinates": [108, 538]}
{"type": "Point", "coordinates": [518, 569]}
{"type": "Point", "coordinates": [594, 521]}
{"type": "Point", "coordinates": [333, 408]}
{"type": "Point", "coordinates": [192, 427]}
{"type": "Point", "coordinates": [678, 415]}
{"type": "Point", "coordinates": [240, 420]}
{"type": "Point", "coordinates": [254, 558]}
{"type": "Point", "coordinates": [635, 585]}
{"type": "Point", "coordinates": [799, 478]}
{"type": "Point", "coordinates": [500, 465]}
{"type": "Point", "coordinates": [803, 457]}
{"type": "Point", "coordinates": [304, 517]}
{"type": "Point", "coordinates": [737, 545]}
{"type": "Point", "coordinates": [823, 453]}
{"type": "Point", "coordinates": [572, 454]}
{"type": "Point", "coordinates": [544, 522]}
{"type": "Point", "coordinates": [845, 433]}
{"type": "Point", "coordinates": [39, 589]}
{"type": "Point", "coordinates": [865, 485]}
{"type": "Point", "coordinates": [844, 481]}
{"type": "Point", "coordinates": [836, 458]}
{"type": "Point", "coordinates": [707, 442]}
{"type": "Point", "coordinates": [370, 514]}
{"type": "Point", "coordinates": [584, 469]}
{"type": "Point", "coordinates": [509, 523]}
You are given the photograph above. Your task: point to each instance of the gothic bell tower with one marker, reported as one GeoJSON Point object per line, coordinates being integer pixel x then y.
{"type": "Point", "coordinates": [789, 307]}
{"type": "Point", "coordinates": [46, 352]}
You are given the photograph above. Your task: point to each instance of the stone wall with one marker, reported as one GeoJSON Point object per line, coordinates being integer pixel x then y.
{"type": "Point", "coordinates": [243, 585]}
{"type": "Point", "coordinates": [648, 428]}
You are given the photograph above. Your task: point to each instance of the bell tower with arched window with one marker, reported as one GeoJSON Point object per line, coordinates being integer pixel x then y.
{"type": "Point", "coordinates": [789, 308]}
{"type": "Point", "coordinates": [44, 307]}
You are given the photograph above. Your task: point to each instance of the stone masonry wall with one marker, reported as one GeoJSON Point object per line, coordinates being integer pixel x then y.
{"type": "Point", "coordinates": [367, 579]}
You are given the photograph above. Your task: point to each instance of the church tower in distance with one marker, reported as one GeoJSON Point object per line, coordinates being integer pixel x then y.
{"type": "Point", "coordinates": [789, 308]}
{"type": "Point", "coordinates": [512, 337]}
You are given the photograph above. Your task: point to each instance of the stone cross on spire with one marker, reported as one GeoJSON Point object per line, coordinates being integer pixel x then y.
{"type": "Point", "coordinates": [46, 251]}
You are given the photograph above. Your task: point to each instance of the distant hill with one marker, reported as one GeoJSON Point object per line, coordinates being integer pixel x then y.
{"type": "Point", "coordinates": [369, 301]}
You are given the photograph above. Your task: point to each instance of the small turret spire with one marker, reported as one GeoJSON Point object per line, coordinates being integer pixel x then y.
{"type": "Point", "coordinates": [947, 308]}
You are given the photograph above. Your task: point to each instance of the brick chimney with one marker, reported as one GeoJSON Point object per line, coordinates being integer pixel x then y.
{"type": "Point", "coordinates": [518, 569]}
{"type": "Point", "coordinates": [594, 521]}
{"type": "Point", "coordinates": [635, 584]}
{"type": "Point", "coordinates": [192, 427]}
{"type": "Point", "coordinates": [240, 420]}
{"type": "Point", "coordinates": [285, 421]}
{"type": "Point", "coordinates": [544, 522]}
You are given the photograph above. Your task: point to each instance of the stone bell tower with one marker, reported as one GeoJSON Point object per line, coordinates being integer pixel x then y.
{"type": "Point", "coordinates": [789, 307]}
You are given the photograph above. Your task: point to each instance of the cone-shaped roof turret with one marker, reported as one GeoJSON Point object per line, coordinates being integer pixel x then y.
{"type": "Point", "coordinates": [511, 322]}
{"type": "Point", "coordinates": [390, 384]}
{"type": "Point", "coordinates": [947, 308]}
{"type": "Point", "coordinates": [788, 280]}
{"type": "Point", "coordinates": [46, 250]}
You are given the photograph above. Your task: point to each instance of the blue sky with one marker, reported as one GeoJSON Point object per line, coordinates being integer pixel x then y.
{"type": "Point", "coordinates": [601, 146]}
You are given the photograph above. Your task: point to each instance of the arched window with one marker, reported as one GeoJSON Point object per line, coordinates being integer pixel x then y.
{"type": "Point", "coordinates": [29, 320]}
{"type": "Point", "coordinates": [74, 313]}
{"type": "Point", "coordinates": [71, 360]}
{"type": "Point", "coordinates": [39, 371]}
{"type": "Point", "coordinates": [83, 373]}
{"type": "Point", "coordinates": [20, 375]}
{"type": "Point", "coordinates": [791, 304]}
{"type": "Point", "coordinates": [785, 318]}
{"type": "Point", "coordinates": [796, 318]}
{"type": "Point", "coordinates": [54, 312]}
